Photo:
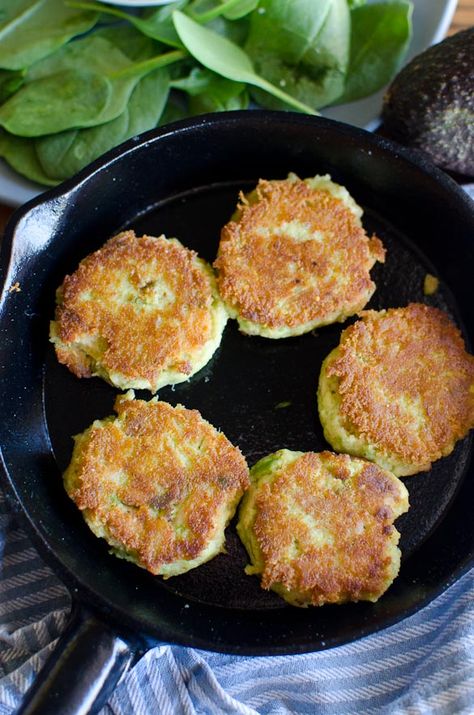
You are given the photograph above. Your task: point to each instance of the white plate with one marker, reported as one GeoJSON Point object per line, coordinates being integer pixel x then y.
{"type": "Point", "coordinates": [431, 21]}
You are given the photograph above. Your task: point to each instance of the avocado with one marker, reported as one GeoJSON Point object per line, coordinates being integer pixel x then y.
{"type": "Point", "coordinates": [430, 104]}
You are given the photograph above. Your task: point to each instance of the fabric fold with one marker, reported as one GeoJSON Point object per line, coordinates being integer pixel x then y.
{"type": "Point", "coordinates": [421, 666]}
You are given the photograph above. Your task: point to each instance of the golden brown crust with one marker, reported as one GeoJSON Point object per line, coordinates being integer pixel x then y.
{"type": "Point", "coordinates": [272, 279]}
{"type": "Point", "coordinates": [156, 480]}
{"type": "Point", "coordinates": [324, 527]}
{"type": "Point", "coordinates": [405, 382]}
{"type": "Point", "coordinates": [111, 300]}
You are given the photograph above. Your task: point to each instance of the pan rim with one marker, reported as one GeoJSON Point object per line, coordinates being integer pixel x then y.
{"type": "Point", "coordinates": [412, 156]}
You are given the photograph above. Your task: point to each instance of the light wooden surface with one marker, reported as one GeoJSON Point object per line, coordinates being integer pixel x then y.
{"type": "Point", "coordinates": [464, 17]}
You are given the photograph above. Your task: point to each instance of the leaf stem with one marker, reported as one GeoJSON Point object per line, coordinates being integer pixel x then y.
{"type": "Point", "coordinates": [98, 7]}
{"type": "Point", "coordinates": [287, 98]}
{"type": "Point", "coordinates": [139, 68]}
{"type": "Point", "coordinates": [217, 11]}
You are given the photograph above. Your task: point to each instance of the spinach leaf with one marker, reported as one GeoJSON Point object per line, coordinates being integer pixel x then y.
{"type": "Point", "coordinates": [65, 99]}
{"type": "Point", "coordinates": [214, 101]}
{"type": "Point", "coordinates": [226, 58]}
{"type": "Point", "coordinates": [66, 89]}
{"type": "Point", "coordinates": [20, 153]}
{"type": "Point", "coordinates": [230, 9]}
{"type": "Point", "coordinates": [85, 83]}
{"type": "Point", "coordinates": [214, 16]}
{"type": "Point", "coordinates": [157, 24]}
{"type": "Point", "coordinates": [10, 81]}
{"type": "Point", "coordinates": [236, 30]}
{"type": "Point", "coordinates": [63, 155]}
{"type": "Point", "coordinates": [32, 29]}
{"type": "Point", "coordinates": [211, 93]}
{"type": "Point", "coordinates": [380, 37]}
{"type": "Point", "coordinates": [303, 46]}
{"type": "Point", "coordinates": [175, 109]}
{"type": "Point", "coordinates": [132, 43]}
{"type": "Point", "coordinates": [93, 52]}
{"type": "Point", "coordinates": [242, 8]}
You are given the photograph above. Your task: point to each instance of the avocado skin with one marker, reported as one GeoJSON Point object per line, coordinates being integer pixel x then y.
{"type": "Point", "coordinates": [430, 104]}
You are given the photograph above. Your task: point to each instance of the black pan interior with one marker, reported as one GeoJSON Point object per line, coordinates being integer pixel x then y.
{"type": "Point", "coordinates": [261, 393]}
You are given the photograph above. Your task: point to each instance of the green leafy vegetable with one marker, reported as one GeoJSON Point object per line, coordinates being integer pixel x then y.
{"type": "Point", "coordinates": [32, 29]}
{"type": "Point", "coordinates": [226, 58]}
{"type": "Point", "coordinates": [242, 8]}
{"type": "Point", "coordinates": [62, 155]}
{"type": "Point", "coordinates": [67, 99]}
{"type": "Point", "coordinates": [157, 25]}
{"type": "Point", "coordinates": [211, 93]}
{"type": "Point", "coordinates": [160, 26]}
{"type": "Point", "coordinates": [21, 155]}
{"type": "Point", "coordinates": [86, 83]}
{"type": "Point", "coordinates": [10, 82]}
{"type": "Point", "coordinates": [64, 100]}
{"type": "Point", "coordinates": [175, 109]}
{"type": "Point", "coordinates": [380, 37]}
{"type": "Point", "coordinates": [234, 30]}
{"type": "Point", "coordinates": [302, 46]}
{"type": "Point", "coordinates": [133, 44]}
{"type": "Point", "coordinates": [230, 9]}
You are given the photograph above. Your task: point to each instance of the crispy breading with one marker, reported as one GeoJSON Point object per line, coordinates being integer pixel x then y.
{"type": "Point", "coordinates": [140, 312]}
{"type": "Point", "coordinates": [319, 527]}
{"type": "Point", "coordinates": [295, 256]}
{"type": "Point", "coordinates": [399, 388]}
{"type": "Point", "coordinates": [159, 483]}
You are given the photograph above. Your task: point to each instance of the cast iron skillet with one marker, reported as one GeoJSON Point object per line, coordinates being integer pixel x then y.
{"type": "Point", "coordinates": [183, 180]}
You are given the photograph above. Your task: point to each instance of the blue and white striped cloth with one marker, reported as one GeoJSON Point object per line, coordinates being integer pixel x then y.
{"type": "Point", "coordinates": [423, 666]}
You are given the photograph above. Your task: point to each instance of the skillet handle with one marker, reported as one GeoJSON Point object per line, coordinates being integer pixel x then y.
{"type": "Point", "coordinates": [82, 671]}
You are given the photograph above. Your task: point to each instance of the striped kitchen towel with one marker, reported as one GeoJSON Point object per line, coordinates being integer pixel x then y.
{"type": "Point", "coordinates": [422, 666]}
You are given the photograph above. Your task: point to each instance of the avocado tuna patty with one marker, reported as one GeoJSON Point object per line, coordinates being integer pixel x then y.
{"type": "Point", "coordinates": [318, 528]}
{"type": "Point", "coordinates": [141, 312]}
{"type": "Point", "coordinates": [295, 256]}
{"type": "Point", "coordinates": [158, 483]}
{"type": "Point", "coordinates": [399, 388]}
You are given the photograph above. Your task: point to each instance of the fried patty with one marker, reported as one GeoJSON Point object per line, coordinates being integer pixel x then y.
{"type": "Point", "coordinates": [399, 389]}
{"type": "Point", "coordinates": [159, 483]}
{"type": "Point", "coordinates": [141, 312]}
{"type": "Point", "coordinates": [318, 528]}
{"type": "Point", "coordinates": [295, 256]}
